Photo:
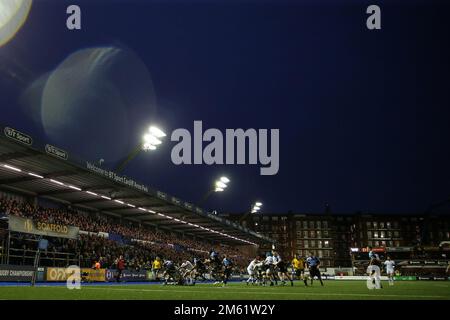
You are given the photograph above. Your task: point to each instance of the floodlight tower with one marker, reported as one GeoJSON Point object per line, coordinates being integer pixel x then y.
{"type": "Point", "coordinates": [219, 186]}
{"type": "Point", "coordinates": [149, 142]}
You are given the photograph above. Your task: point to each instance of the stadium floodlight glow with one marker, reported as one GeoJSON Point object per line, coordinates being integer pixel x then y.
{"type": "Point", "coordinates": [35, 175]}
{"type": "Point", "coordinates": [149, 142]}
{"type": "Point", "coordinates": [258, 204]}
{"type": "Point", "coordinates": [218, 189]}
{"type": "Point", "coordinates": [12, 168]}
{"type": "Point", "coordinates": [220, 184]}
{"type": "Point", "coordinates": [158, 133]}
{"type": "Point", "coordinates": [224, 179]}
{"type": "Point", "coordinates": [150, 139]}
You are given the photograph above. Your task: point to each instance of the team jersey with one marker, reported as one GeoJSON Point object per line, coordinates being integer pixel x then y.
{"type": "Point", "coordinates": [298, 263]}
{"type": "Point", "coordinates": [389, 266]}
{"type": "Point", "coordinates": [214, 255]}
{"type": "Point", "coordinates": [156, 264]}
{"type": "Point", "coordinates": [276, 259]}
{"type": "Point", "coordinates": [313, 261]}
{"type": "Point", "coordinates": [373, 255]}
{"type": "Point", "coordinates": [252, 265]}
{"type": "Point", "coordinates": [187, 265]}
{"type": "Point", "coordinates": [269, 261]}
{"type": "Point", "coordinates": [227, 263]}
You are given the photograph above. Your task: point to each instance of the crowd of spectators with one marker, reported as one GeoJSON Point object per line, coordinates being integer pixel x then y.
{"type": "Point", "coordinates": [140, 246]}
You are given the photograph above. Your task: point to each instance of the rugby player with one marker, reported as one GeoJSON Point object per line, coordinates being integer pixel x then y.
{"type": "Point", "coordinates": [373, 269]}
{"type": "Point", "coordinates": [252, 271]}
{"type": "Point", "coordinates": [227, 269]}
{"type": "Point", "coordinates": [313, 264]}
{"type": "Point", "coordinates": [156, 268]}
{"type": "Point", "coordinates": [187, 272]}
{"type": "Point", "coordinates": [269, 269]}
{"type": "Point", "coordinates": [390, 266]}
{"type": "Point", "coordinates": [298, 269]}
{"type": "Point", "coordinates": [199, 269]}
{"type": "Point", "coordinates": [281, 267]}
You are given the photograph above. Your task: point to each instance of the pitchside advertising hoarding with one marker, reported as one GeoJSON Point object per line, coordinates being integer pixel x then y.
{"type": "Point", "coordinates": [16, 273]}
{"type": "Point", "coordinates": [129, 275]}
{"type": "Point", "coordinates": [87, 274]}
{"type": "Point", "coordinates": [43, 228]}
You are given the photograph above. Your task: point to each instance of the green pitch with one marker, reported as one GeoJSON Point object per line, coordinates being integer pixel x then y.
{"type": "Point", "coordinates": [334, 290]}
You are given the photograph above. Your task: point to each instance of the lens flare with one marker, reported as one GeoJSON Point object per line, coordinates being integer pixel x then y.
{"type": "Point", "coordinates": [13, 14]}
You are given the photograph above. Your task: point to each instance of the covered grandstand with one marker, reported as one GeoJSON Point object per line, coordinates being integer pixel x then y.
{"type": "Point", "coordinates": [48, 172]}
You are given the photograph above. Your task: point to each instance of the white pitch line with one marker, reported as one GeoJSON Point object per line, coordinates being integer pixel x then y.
{"type": "Point", "coordinates": [273, 293]}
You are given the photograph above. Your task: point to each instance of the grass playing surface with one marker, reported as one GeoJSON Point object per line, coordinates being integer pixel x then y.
{"type": "Point", "coordinates": [335, 290]}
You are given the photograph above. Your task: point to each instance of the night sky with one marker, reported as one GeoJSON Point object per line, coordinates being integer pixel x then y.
{"type": "Point", "coordinates": [363, 115]}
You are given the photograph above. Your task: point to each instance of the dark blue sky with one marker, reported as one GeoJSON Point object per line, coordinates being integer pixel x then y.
{"type": "Point", "coordinates": [363, 115]}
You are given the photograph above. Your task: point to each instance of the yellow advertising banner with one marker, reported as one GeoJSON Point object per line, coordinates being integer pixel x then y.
{"type": "Point", "coordinates": [87, 274]}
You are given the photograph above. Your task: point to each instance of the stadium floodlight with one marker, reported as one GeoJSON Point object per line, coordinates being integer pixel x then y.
{"type": "Point", "coordinates": [150, 141]}
{"type": "Point", "coordinates": [156, 132]}
{"type": "Point", "coordinates": [258, 204]}
{"type": "Point", "coordinates": [218, 189]}
{"type": "Point", "coordinates": [224, 179]}
{"type": "Point", "coordinates": [220, 184]}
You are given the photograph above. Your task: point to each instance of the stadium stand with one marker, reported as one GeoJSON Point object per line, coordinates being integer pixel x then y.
{"type": "Point", "coordinates": [138, 244]}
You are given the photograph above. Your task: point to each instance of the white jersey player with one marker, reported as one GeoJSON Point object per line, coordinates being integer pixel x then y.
{"type": "Point", "coordinates": [251, 270]}
{"type": "Point", "coordinates": [390, 267]}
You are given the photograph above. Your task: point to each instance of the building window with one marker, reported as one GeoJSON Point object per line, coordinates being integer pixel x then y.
{"type": "Point", "coordinates": [382, 234]}
{"type": "Point", "coordinates": [325, 224]}
{"type": "Point", "coordinates": [305, 225]}
{"type": "Point", "coordinates": [381, 225]}
{"type": "Point", "coordinates": [311, 224]}
{"type": "Point", "coordinates": [318, 225]}
{"type": "Point", "coordinates": [319, 243]}
{"type": "Point", "coordinates": [312, 234]}
{"type": "Point", "coordinates": [319, 234]}
{"type": "Point", "coordinates": [305, 234]}
{"type": "Point", "coordinates": [375, 225]}
{"type": "Point", "coordinates": [388, 225]}
{"type": "Point", "coordinates": [306, 244]}
{"type": "Point", "coordinates": [369, 234]}
{"type": "Point", "coordinates": [313, 243]}
{"type": "Point", "coordinates": [326, 243]}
